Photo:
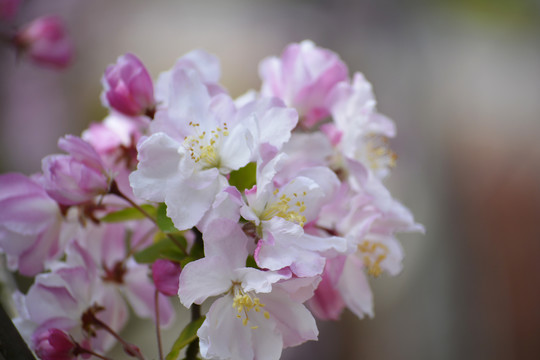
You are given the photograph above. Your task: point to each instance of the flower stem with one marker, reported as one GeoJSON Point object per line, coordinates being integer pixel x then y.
{"type": "Point", "coordinates": [81, 350]}
{"type": "Point", "coordinates": [116, 191]}
{"type": "Point", "coordinates": [193, 347]}
{"type": "Point", "coordinates": [158, 330]}
{"type": "Point", "coordinates": [130, 349]}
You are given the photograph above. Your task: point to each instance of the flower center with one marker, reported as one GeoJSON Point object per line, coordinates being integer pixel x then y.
{"type": "Point", "coordinates": [202, 146]}
{"type": "Point", "coordinates": [286, 207]}
{"type": "Point", "coordinates": [377, 153]}
{"type": "Point", "coordinates": [374, 254]}
{"type": "Point", "coordinates": [244, 302]}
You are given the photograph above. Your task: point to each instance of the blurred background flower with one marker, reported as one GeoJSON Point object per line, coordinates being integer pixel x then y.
{"type": "Point", "coordinates": [461, 78]}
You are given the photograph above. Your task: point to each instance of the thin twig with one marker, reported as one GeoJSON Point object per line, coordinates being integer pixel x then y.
{"type": "Point", "coordinates": [158, 330]}
{"type": "Point", "coordinates": [116, 191]}
{"type": "Point", "coordinates": [193, 347]}
{"type": "Point", "coordinates": [128, 347]}
{"type": "Point", "coordinates": [82, 350]}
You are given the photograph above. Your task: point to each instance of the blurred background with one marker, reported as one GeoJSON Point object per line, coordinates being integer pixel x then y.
{"type": "Point", "coordinates": [461, 79]}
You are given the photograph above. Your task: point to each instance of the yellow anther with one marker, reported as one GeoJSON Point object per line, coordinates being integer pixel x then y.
{"type": "Point", "coordinates": [378, 153]}
{"type": "Point", "coordinates": [203, 148]}
{"type": "Point", "coordinates": [244, 303]}
{"type": "Point", "coordinates": [374, 254]}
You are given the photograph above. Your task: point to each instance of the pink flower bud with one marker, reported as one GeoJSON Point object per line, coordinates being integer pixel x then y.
{"type": "Point", "coordinates": [128, 87]}
{"type": "Point", "coordinates": [54, 344]}
{"type": "Point", "coordinates": [46, 42]}
{"type": "Point", "coordinates": [166, 274]}
{"type": "Point", "coordinates": [8, 9]}
{"type": "Point", "coordinates": [75, 178]}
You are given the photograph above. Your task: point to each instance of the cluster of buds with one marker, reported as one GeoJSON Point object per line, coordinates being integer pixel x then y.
{"type": "Point", "coordinates": [270, 205]}
{"type": "Point", "coordinates": [44, 40]}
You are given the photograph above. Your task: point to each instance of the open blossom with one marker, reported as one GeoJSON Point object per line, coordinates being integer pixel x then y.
{"type": "Point", "coordinates": [46, 42]}
{"type": "Point", "coordinates": [198, 141]}
{"type": "Point", "coordinates": [77, 177]}
{"type": "Point", "coordinates": [358, 131]}
{"type": "Point", "coordinates": [59, 299]}
{"type": "Point", "coordinates": [101, 250]}
{"type": "Point", "coordinates": [128, 87]}
{"type": "Point", "coordinates": [303, 77]}
{"type": "Point", "coordinates": [188, 170]}
{"type": "Point", "coordinates": [255, 317]}
{"type": "Point", "coordinates": [279, 215]}
{"type": "Point", "coordinates": [204, 64]}
{"type": "Point", "coordinates": [30, 224]}
{"type": "Point", "coordinates": [282, 188]}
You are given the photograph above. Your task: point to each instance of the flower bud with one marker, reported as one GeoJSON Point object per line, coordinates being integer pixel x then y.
{"type": "Point", "coordinates": [54, 344]}
{"type": "Point", "coordinates": [166, 274]}
{"type": "Point", "coordinates": [9, 8]}
{"type": "Point", "coordinates": [46, 42]}
{"type": "Point", "coordinates": [128, 87]}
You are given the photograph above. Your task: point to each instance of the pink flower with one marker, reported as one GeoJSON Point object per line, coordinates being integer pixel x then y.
{"type": "Point", "coordinates": [358, 131]}
{"type": "Point", "coordinates": [75, 178]}
{"type": "Point", "coordinates": [302, 78]}
{"type": "Point", "coordinates": [9, 8]}
{"type": "Point", "coordinates": [257, 315]}
{"type": "Point", "coordinates": [165, 274]}
{"type": "Point", "coordinates": [280, 213]}
{"type": "Point", "coordinates": [204, 64]}
{"type": "Point", "coordinates": [54, 344]}
{"type": "Point", "coordinates": [30, 223]}
{"type": "Point", "coordinates": [128, 87]}
{"type": "Point", "coordinates": [46, 42]}
{"type": "Point", "coordinates": [201, 139]}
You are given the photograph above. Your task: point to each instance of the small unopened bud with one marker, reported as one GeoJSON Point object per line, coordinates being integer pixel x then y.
{"type": "Point", "coordinates": [166, 276]}
{"type": "Point", "coordinates": [132, 350]}
{"type": "Point", "coordinates": [9, 8]}
{"type": "Point", "coordinates": [54, 344]}
{"type": "Point", "coordinates": [128, 87]}
{"type": "Point", "coordinates": [45, 41]}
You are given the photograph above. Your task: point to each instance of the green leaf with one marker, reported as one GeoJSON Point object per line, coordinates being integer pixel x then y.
{"type": "Point", "coordinates": [186, 336]}
{"type": "Point", "coordinates": [128, 214]}
{"type": "Point", "coordinates": [164, 248]}
{"type": "Point", "coordinates": [164, 222]}
{"type": "Point", "coordinates": [250, 262]}
{"type": "Point", "coordinates": [244, 178]}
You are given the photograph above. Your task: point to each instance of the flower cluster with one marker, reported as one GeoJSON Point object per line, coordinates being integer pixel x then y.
{"type": "Point", "coordinates": [270, 205]}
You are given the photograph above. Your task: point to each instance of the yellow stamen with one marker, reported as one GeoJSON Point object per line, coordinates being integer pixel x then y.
{"type": "Point", "coordinates": [374, 254]}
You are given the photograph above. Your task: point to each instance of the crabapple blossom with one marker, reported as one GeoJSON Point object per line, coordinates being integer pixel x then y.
{"type": "Point", "coordinates": [303, 77]}
{"type": "Point", "coordinates": [201, 140]}
{"type": "Point", "coordinates": [279, 215]}
{"type": "Point", "coordinates": [204, 64]}
{"type": "Point", "coordinates": [358, 130]}
{"type": "Point", "coordinates": [270, 208]}
{"type": "Point", "coordinates": [30, 224]}
{"type": "Point", "coordinates": [254, 318]}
